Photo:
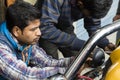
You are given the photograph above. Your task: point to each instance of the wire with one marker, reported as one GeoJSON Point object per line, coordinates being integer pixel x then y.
{"type": "Point", "coordinates": [84, 77]}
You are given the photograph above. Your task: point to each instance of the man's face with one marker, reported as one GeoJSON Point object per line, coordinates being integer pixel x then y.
{"type": "Point", "coordinates": [30, 34]}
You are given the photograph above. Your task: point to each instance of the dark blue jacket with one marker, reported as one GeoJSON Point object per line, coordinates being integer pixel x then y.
{"type": "Point", "coordinates": [57, 24]}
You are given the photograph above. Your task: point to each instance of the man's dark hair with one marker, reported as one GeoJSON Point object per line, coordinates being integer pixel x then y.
{"type": "Point", "coordinates": [20, 14]}
{"type": "Point", "coordinates": [98, 8]}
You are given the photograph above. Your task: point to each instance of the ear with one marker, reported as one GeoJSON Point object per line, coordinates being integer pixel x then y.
{"type": "Point", "coordinates": [10, 2]}
{"type": "Point", "coordinates": [16, 31]}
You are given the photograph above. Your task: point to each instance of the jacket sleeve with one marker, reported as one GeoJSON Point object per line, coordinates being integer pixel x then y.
{"type": "Point", "coordinates": [50, 14]}
{"type": "Point", "coordinates": [15, 69]}
{"type": "Point", "coordinates": [45, 60]}
{"type": "Point", "coordinates": [118, 10]}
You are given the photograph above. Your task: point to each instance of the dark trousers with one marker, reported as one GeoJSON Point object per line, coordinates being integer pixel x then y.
{"type": "Point", "coordinates": [52, 49]}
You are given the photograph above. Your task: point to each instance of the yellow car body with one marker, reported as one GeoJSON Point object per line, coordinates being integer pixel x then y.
{"type": "Point", "coordinates": [114, 71]}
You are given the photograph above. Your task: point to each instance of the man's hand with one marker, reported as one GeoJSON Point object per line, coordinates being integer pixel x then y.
{"type": "Point", "coordinates": [110, 47]}
{"type": "Point", "coordinates": [116, 17]}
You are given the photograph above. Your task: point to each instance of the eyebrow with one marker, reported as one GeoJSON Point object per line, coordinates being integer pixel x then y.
{"type": "Point", "coordinates": [32, 29]}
